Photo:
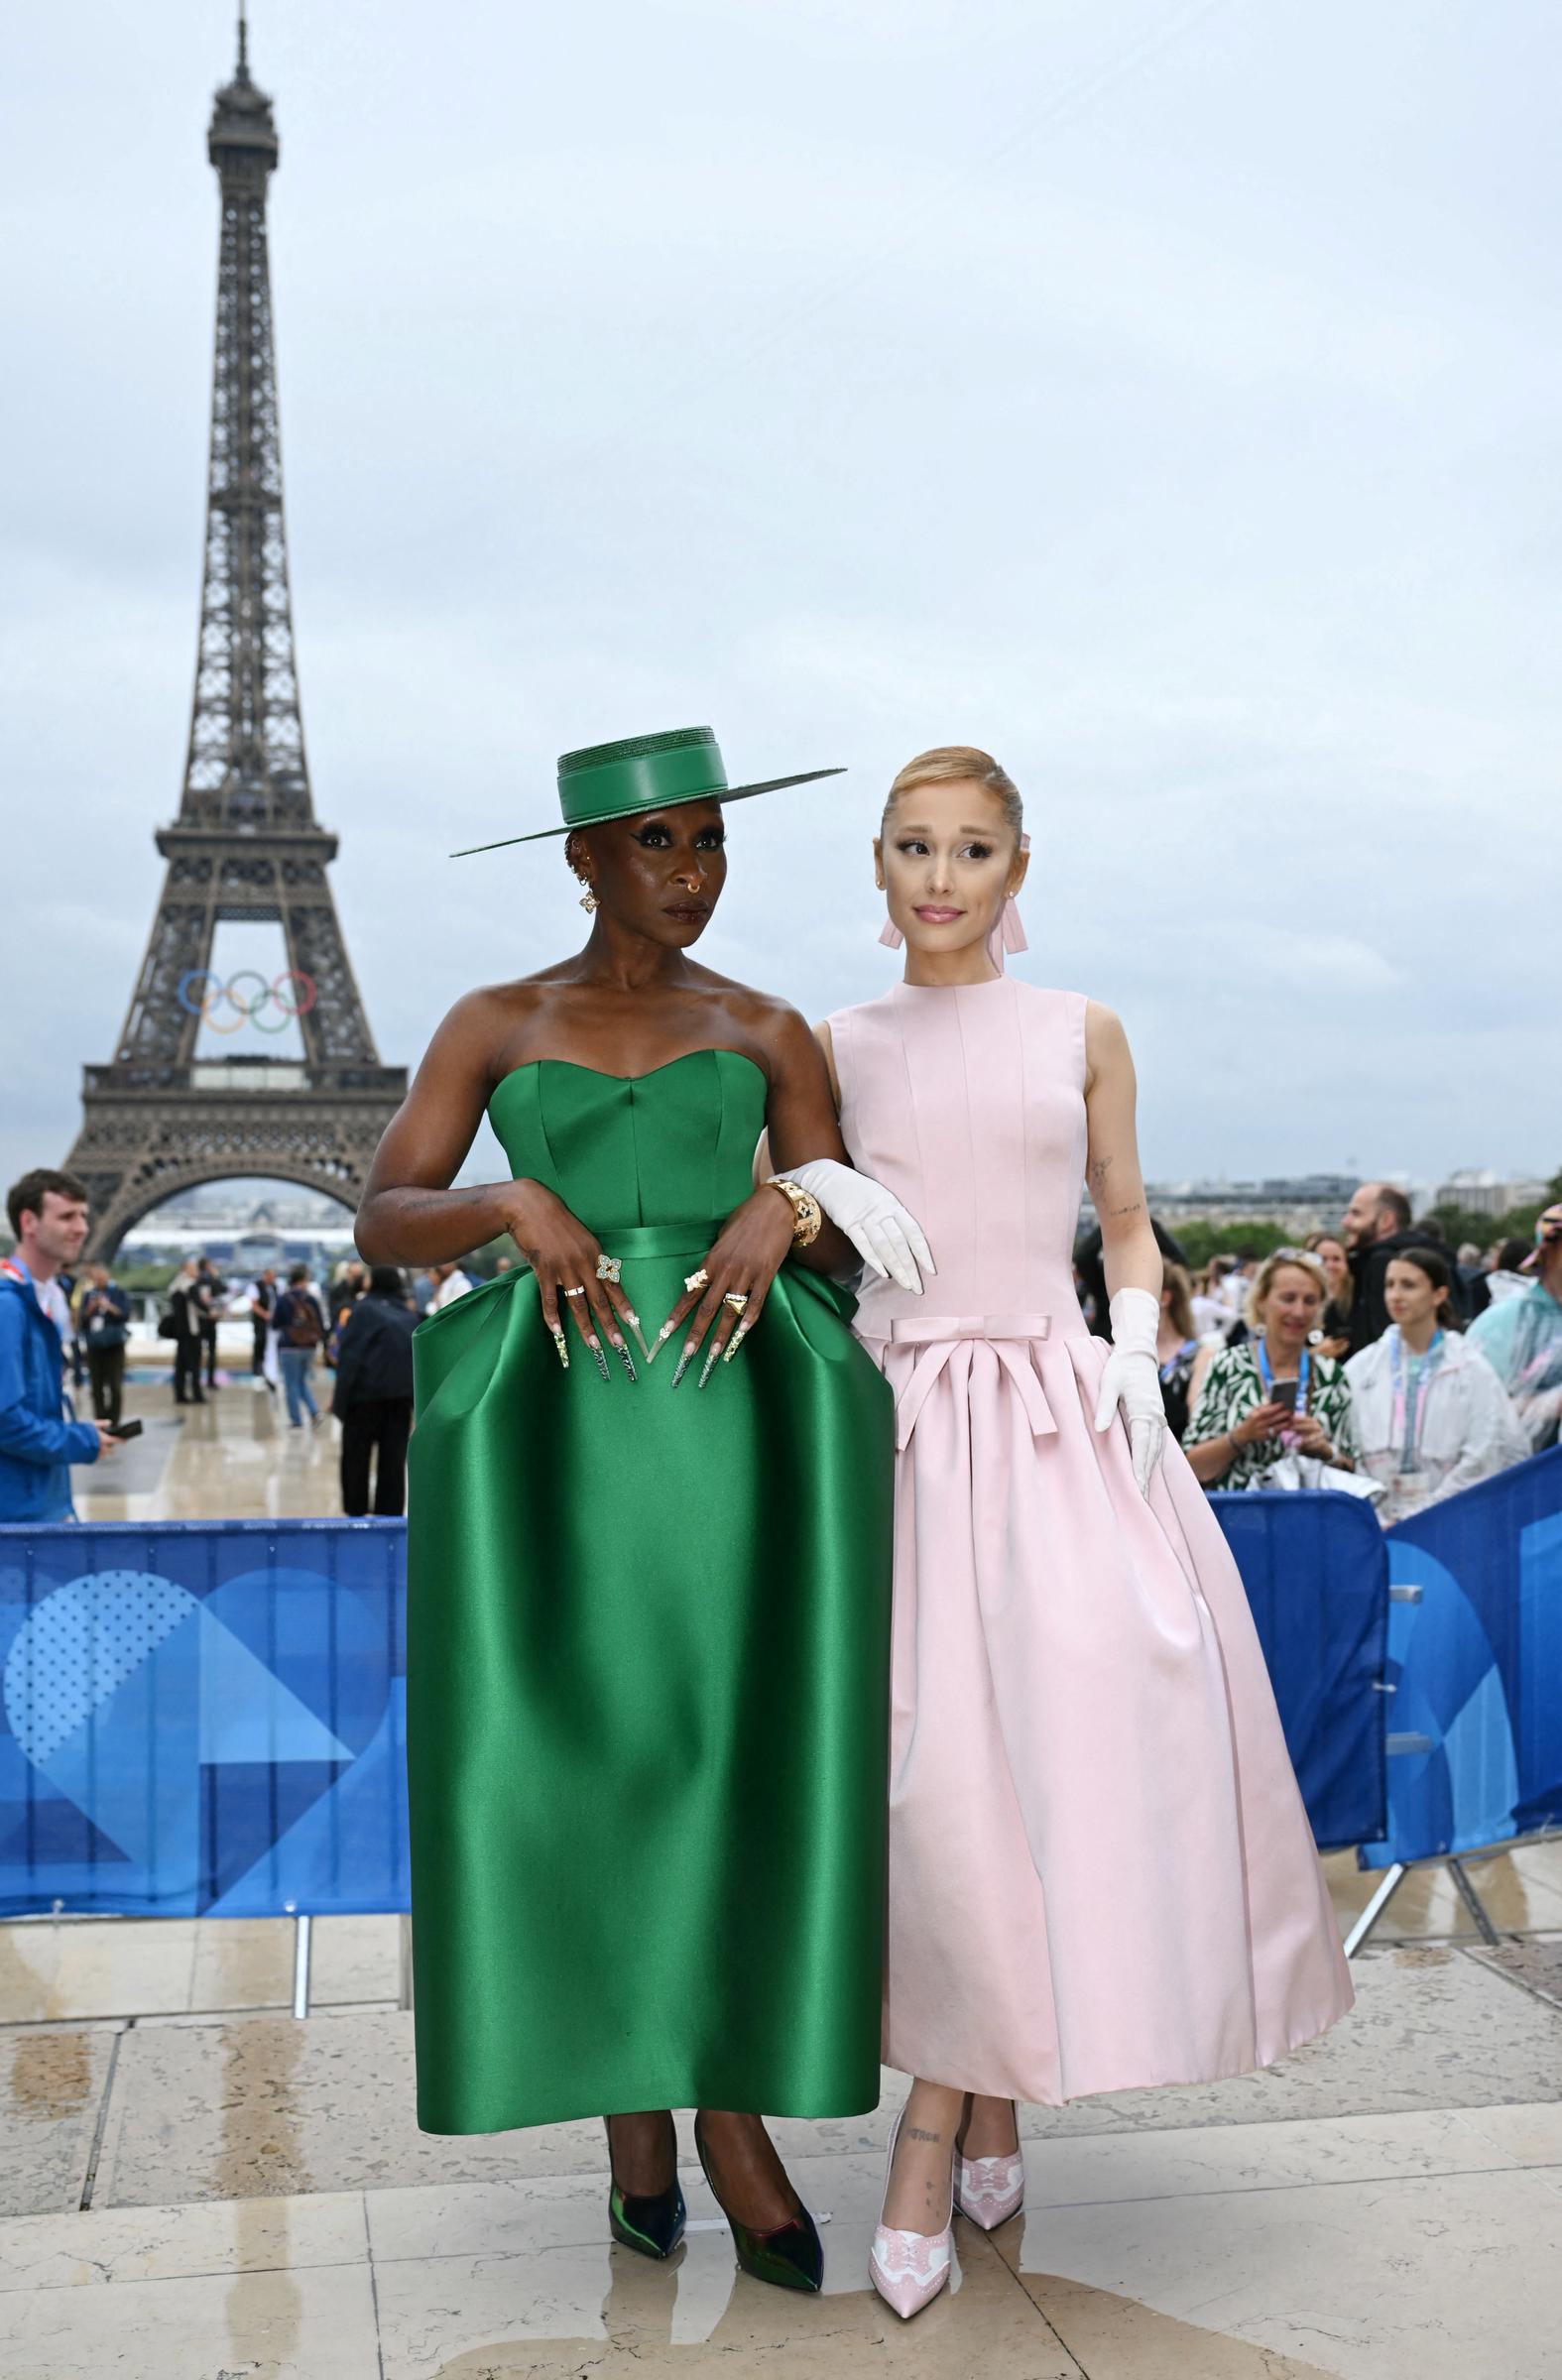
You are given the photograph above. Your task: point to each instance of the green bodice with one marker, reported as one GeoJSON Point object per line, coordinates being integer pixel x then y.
{"type": "Point", "coordinates": [666, 1146]}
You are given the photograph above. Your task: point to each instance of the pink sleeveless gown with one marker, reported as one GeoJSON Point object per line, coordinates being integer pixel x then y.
{"type": "Point", "coordinates": [1101, 1873]}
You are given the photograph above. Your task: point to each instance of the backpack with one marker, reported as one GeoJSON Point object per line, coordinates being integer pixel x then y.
{"type": "Point", "coordinates": [303, 1327]}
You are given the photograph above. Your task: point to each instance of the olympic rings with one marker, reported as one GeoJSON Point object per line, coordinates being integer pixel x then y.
{"type": "Point", "coordinates": [201, 994]}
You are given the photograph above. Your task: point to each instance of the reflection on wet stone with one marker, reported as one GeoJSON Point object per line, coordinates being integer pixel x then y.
{"type": "Point", "coordinates": [50, 2075]}
{"type": "Point", "coordinates": [50, 2091]}
{"type": "Point", "coordinates": [261, 2143]}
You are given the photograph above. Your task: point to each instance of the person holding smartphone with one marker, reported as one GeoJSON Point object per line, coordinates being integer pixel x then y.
{"type": "Point", "coordinates": [104, 1323]}
{"type": "Point", "coordinates": [1275, 1394]}
{"type": "Point", "coordinates": [40, 1435]}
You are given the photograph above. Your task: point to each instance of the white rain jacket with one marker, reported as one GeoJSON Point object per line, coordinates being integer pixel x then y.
{"type": "Point", "coordinates": [1468, 1426]}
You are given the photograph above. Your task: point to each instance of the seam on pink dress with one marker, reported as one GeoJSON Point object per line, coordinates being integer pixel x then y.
{"type": "Point", "coordinates": [845, 1058]}
{"type": "Point", "coordinates": [1077, 1005]}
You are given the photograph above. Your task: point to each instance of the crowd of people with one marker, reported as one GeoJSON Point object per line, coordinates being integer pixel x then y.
{"type": "Point", "coordinates": [360, 1327]}
{"type": "Point", "coordinates": [63, 1322]}
{"type": "Point", "coordinates": [1375, 1359]}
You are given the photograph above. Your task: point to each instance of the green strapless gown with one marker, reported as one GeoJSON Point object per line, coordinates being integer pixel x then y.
{"type": "Point", "coordinates": [647, 1684]}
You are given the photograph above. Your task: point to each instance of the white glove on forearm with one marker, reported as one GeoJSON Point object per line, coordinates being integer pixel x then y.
{"type": "Point", "coordinates": [1132, 1381]}
{"type": "Point", "coordinates": [888, 1239]}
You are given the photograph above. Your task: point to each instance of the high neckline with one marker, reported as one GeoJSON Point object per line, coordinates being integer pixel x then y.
{"type": "Point", "coordinates": [988, 983]}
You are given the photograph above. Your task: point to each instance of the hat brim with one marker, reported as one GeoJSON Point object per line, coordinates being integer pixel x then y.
{"type": "Point", "coordinates": [770, 785]}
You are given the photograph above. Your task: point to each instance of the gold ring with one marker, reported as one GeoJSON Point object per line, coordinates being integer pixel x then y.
{"type": "Point", "coordinates": [735, 1299]}
{"type": "Point", "coordinates": [696, 1281]}
{"type": "Point", "coordinates": [609, 1269]}
{"type": "Point", "coordinates": [574, 1293]}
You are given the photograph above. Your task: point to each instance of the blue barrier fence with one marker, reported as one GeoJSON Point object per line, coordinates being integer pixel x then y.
{"type": "Point", "coordinates": [208, 1718]}
{"type": "Point", "coordinates": [1317, 1577]}
{"type": "Point", "coordinates": [1475, 1651]}
{"type": "Point", "coordinates": [204, 1718]}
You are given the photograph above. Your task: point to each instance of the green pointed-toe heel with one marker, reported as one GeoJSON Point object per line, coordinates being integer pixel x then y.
{"type": "Point", "coordinates": [789, 2257]}
{"type": "Point", "coordinates": [652, 2225]}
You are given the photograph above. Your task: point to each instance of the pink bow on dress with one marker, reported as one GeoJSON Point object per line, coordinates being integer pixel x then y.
{"type": "Point", "coordinates": [1007, 934]}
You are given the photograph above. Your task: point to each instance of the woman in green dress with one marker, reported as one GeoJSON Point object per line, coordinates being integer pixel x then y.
{"type": "Point", "coordinates": [647, 1612]}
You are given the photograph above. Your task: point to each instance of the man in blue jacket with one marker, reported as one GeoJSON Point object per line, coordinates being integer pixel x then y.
{"type": "Point", "coordinates": [39, 1438]}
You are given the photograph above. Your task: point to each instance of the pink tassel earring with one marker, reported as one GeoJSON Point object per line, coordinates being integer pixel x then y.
{"type": "Point", "coordinates": [1010, 931]}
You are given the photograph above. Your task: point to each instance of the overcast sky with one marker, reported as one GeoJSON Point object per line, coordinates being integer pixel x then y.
{"type": "Point", "coordinates": [1163, 396]}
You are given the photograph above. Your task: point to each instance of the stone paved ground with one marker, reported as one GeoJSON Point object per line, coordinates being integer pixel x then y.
{"type": "Point", "coordinates": [195, 2187]}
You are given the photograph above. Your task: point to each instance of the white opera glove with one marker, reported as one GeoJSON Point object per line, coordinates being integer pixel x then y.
{"type": "Point", "coordinates": [1132, 1381]}
{"type": "Point", "coordinates": [888, 1240]}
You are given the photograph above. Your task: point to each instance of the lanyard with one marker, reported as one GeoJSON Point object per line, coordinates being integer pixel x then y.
{"type": "Point", "coordinates": [1266, 1376]}
{"type": "Point", "coordinates": [1169, 1369]}
{"type": "Point", "coordinates": [1409, 1403]}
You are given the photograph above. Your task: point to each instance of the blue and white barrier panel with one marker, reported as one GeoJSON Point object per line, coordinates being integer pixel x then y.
{"type": "Point", "coordinates": [208, 1718]}
{"type": "Point", "coordinates": [1316, 1571]}
{"type": "Point", "coordinates": [204, 1718]}
{"type": "Point", "coordinates": [1474, 1652]}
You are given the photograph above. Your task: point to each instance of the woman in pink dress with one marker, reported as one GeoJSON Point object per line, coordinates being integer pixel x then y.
{"type": "Point", "coordinates": [1101, 1872]}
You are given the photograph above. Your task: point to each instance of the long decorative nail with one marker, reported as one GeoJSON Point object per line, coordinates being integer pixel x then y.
{"type": "Point", "coordinates": [685, 1360]}
{"type": "Point", "coordinates": [562, 1345]}
{"type": "Point", "coordinates": [640, 1337]}
{"type": "Point", "coordinates": [736, 1342]}
{"type": "Point", "coordinates": [629, 1361]}
{"type": "Point", "coordinates": [711, 1361]}
{"type": "Point", "coordinates": [602, 1362]}
{"type": "Point", "coordinates": [661, 1341]}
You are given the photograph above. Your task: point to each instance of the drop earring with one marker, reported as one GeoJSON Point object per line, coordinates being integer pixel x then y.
{"type": "Point", "coordinates": [588, 900]}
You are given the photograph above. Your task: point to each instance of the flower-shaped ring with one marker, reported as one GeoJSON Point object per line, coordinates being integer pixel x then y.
{"type": "Point", "coordinates": [696, 1281]}
{"type": "Point", "coordinates": [609, 1269]}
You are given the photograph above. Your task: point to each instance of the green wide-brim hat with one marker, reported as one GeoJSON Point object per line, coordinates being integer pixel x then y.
{"type": "Point", "coordinates": [643, 773]}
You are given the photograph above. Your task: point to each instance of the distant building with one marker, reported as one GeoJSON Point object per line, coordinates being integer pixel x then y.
{"type": "Point", "coordinates": [1488, 1192]}
{"type": "Point", "coordinates": [236, 1247]}
{"type": "Point", "coordinates": [1306, 1202]}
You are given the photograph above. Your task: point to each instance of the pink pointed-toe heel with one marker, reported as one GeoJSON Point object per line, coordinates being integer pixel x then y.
{"type": "Point", "coordinates": [910, 2268]}
{"type": "Point", "coordinates": [988, 2190]}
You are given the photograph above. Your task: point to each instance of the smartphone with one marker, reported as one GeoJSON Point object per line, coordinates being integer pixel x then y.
{"type": "Point", "coordinates": [1283, 1392]}
{"type": "Point", "coordinates": [128, 1429]}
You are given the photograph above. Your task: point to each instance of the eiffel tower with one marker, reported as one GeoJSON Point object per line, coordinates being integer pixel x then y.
{"type": "Point", "coordinates": [246, 845]}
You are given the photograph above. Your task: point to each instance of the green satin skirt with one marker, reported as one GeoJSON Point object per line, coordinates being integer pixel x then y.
{"type": "Point", "coordinates": [647, 1699]}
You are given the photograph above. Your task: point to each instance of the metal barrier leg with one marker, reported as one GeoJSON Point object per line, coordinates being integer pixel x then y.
{"type": "Point", "coordinates": [1394, 1877]}
{"type": "Point", "coordinates": [302, 1927]}
{"type": "Point", "coordinates": [1474, 1903]}
{"type": "Point", "coordinates": [405, 1985]}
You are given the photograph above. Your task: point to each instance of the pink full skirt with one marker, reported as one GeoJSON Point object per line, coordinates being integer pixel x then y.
{"type": "Point", "coordinates": [1101, 1872]}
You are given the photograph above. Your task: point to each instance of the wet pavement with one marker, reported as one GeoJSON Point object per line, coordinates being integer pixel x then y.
{"type": "Point", "coordinates": [195, 2187]}
{"type": "Point", "coordinates": [233, 1457]}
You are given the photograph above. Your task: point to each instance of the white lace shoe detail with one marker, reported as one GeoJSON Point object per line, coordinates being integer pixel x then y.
{"type": "Point", "coordinates": [909, 2268]}
{"type": "Point", "coordinates": [991, 2189]}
